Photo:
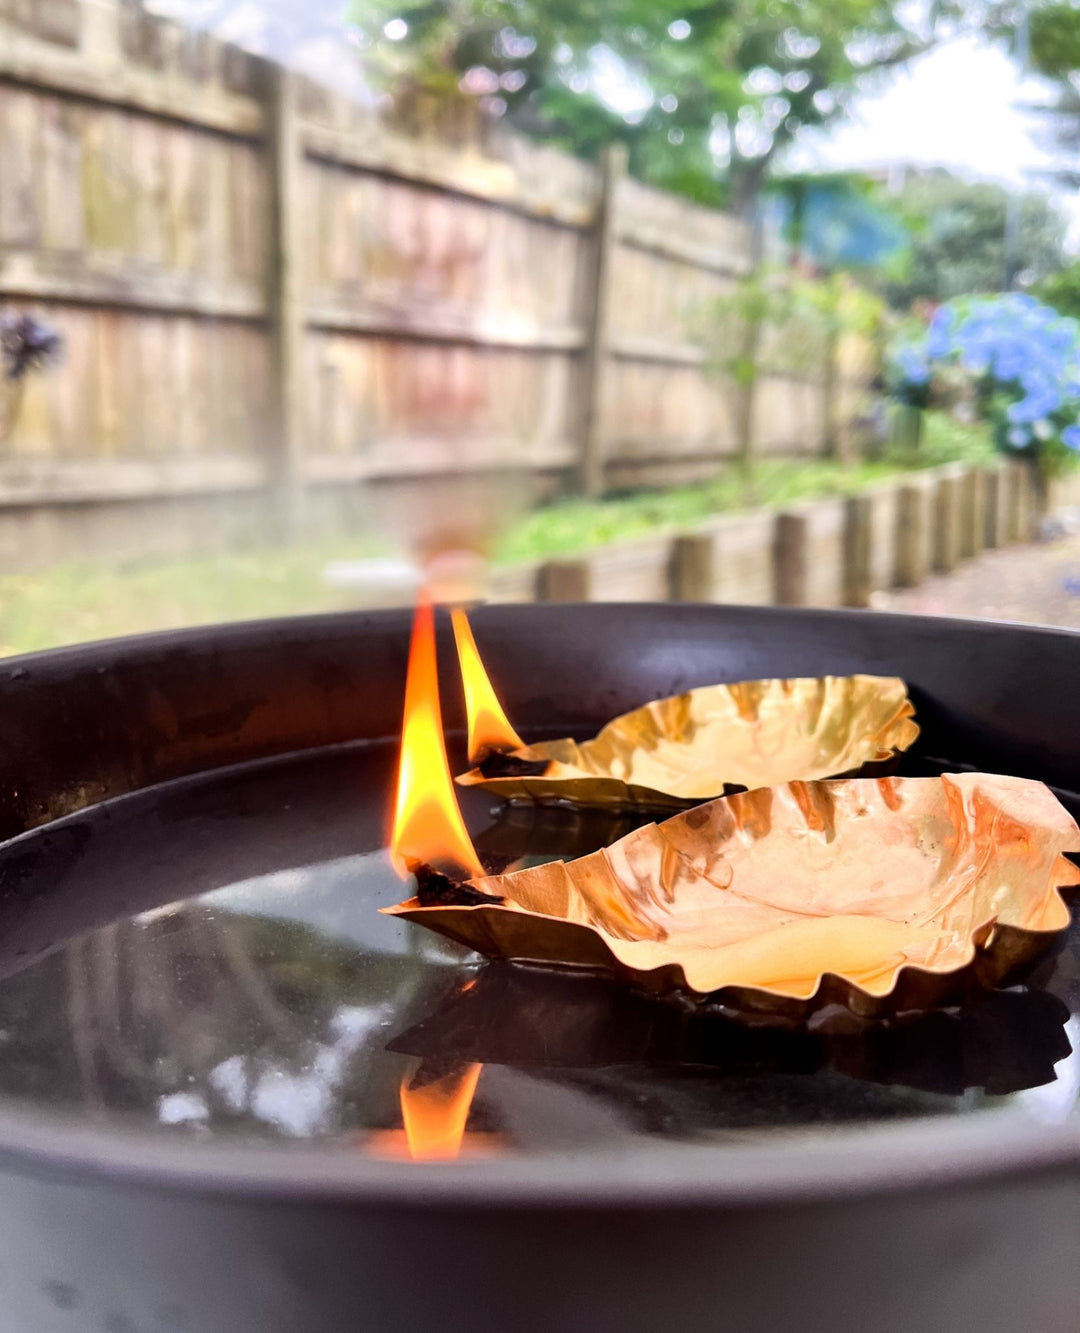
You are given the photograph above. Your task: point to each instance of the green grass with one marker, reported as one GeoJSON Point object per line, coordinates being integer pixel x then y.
{"type": "Point", "coordinates": [947, 440]}
{"type": "Point", "coordinates": [73, 603]}
{"type": "Point", "coordinates": [576, 525]}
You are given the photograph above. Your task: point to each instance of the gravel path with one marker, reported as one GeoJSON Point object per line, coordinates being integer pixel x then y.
{"type": "Point", "coordinates": [1029, 583]}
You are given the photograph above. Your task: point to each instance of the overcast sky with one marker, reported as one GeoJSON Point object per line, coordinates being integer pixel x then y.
{"type": "Point", "coordinates": [959, 106]}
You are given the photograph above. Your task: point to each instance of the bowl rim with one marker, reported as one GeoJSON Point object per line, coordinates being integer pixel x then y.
{"type": "Point", "coordinates": [808, 1164]}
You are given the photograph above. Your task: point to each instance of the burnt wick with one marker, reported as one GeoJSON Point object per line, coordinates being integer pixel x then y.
{"type": "Point", "coordinates": [502, 764]}
{"type": "Point", "coordinates": [435, 888]}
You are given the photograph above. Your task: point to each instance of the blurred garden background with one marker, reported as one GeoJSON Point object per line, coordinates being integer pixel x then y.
{"type": "Point", "coordinates": [270, 273]}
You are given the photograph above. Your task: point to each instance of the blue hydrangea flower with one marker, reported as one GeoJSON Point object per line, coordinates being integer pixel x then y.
{"type": "Point", "coordinates": [913, 364]}
{"type": "Point", "coordinates": [1023, 354]}
{"type": "Point", "coordinates": [940, 335]}
{"type": "Point", "coordinates": [1034, 407]}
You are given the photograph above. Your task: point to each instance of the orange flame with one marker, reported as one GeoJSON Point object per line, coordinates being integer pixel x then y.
{"type": "Point", "coordinates": [488, 725]}
{"type": "Point", "coordinates": [428, 827]}
{"type": "Point", "coordinates": [435, 1114]}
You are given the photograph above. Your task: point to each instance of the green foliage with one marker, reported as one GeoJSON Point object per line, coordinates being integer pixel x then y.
{"type": "Point", "coordinates": [1062, 290]}
{"type": "Point", "coordinates": [704, 92]}
{"type": "Point", "coordinates": [798, 316]}
{"type": "Point", "coordinates": [945, 439]}
{"type": "Point", "coordinates": [957, 239]}
{"type": "Point", "coordinates": [568, 526]}
{"type": "Point", "coordinates": [1055, 39]}
{"type": "Point", "coordinates": [1053, 47]}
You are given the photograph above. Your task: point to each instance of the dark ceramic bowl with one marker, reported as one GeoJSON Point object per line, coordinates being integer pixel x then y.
{"type": "Point", "coordinates": [204, 1021]}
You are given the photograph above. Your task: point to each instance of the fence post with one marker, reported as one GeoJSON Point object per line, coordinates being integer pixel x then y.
{"type": "Point", "coordinates": [996, 485]}
{"type": "Point", "coordinates": [598, 320]}
{"type": "Point", "coordinates": [946, 543]}
{"type": "Point", "coordinates": [285, 159]}
{"type": "Point", "coordinates": [972, 512]}
{"type": "Point", "coordinates": [693, 567]}
{"type": "Point", "coordinates": [789, 559]}
{"type": "Point", "coordinates": [1032, 501]}
{"type": "Point", "coordinates": [564, 581]}
{"type": "Point", "coordinates": [912, 536]}
{"type": "Point", "coordinates": [1017, 513]}
{"type": "Point", "coordinates": [858, 550]}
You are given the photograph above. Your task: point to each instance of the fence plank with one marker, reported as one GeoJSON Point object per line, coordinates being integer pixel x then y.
{"type": "Point", "coordinates": [377, 149]}
{"type": "Point", "coordinates": [659, 350]}
{"type": "Point", "coordinates": [598, 306]}
{"type": "Point", "coordinates": [33, 65]}
{"type": "Point", "coordinates": [25, 275]}
{"type": "Point", "coordinates": [673, 228]}
{"type": "Point", "coordinates": [435, 325]}
{"type": "Point", "coordinates": [69, 482]}
{"type": "Point", "coordinates": [288, 330]}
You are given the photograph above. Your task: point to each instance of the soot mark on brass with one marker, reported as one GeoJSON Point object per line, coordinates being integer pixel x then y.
{"type": "Point", "coordinates": [435, 888]}
{"type": "Point", "coordinates": [499, 764]}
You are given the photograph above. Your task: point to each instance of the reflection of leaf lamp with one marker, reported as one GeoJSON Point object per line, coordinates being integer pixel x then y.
{"type": "Point", "coordinates": [531, 1019]}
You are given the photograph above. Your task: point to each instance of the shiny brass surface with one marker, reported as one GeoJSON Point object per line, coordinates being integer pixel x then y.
{"type": "Point", "coordinates": [693, 746]}
{"type": "Point", "coordinates": [870, 891]}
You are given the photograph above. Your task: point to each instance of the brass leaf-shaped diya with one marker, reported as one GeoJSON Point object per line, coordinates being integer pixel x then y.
{"type": "Point", "coordinates": [880, 893]}
{"type": "Point", "coordinates": [697, 745]}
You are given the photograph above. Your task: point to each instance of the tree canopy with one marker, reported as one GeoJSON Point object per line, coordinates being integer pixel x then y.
{"type": "Point", "coordinates": [704, 93]}
{"type": "Point", "coordinates": [1053, 48]}
{"type": "Point", "coordinates": [957, 240]}
{"type": "Point", "coordinates": [1054, 39]}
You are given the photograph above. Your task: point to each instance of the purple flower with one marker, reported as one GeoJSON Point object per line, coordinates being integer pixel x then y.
{"type": "Point", "coordinates": [1071, 436]}
{"type": "Point", "coordinates": [27, 344]}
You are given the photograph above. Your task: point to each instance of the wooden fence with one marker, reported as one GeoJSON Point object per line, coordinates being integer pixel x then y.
{"type": "Point", "coordinates": [265, 290]}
